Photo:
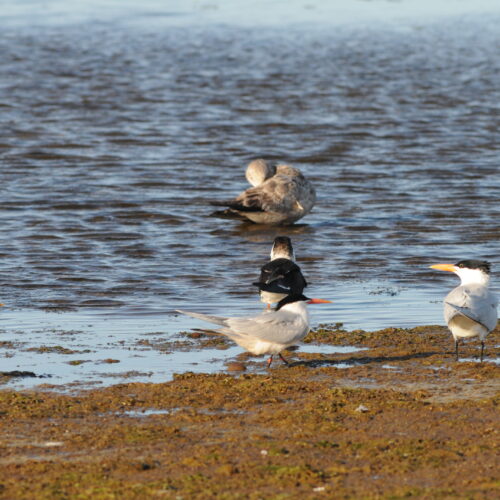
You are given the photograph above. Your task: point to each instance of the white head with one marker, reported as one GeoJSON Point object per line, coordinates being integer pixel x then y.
{"type": "Point", "coordinates": [282, 248]}
{"type": "Point", "coordinates": [258, 171]}
{"type": "Point", "coordinates": [470, 272]}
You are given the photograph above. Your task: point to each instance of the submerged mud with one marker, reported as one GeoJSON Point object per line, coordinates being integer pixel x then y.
{"type": "Point", "coordinates": [400, 418]}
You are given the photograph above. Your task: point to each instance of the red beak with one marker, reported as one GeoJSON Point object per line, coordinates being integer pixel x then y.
{"type": "Point", "coordinates": [319, 301]}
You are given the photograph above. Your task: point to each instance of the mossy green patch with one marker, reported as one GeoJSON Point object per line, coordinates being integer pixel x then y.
{"type": "Point", "coordinates": [427, 430]}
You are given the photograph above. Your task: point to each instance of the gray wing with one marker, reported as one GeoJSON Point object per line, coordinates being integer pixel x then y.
{"type": "Point", "coordinates": [279, 326]}
{"type": "Point", "coordinates": [217, 320]}
{"type": "Point", "coordinates": [474, 302]}
{"type": "Point", "coordinates": [277, 194]}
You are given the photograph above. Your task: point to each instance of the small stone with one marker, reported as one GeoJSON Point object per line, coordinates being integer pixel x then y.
{"type": "Point", "coordinates": [264, 452]}
{"type": "Point", "coordinates": [236, 367]}
{"type": "Point", "coordinates": [319, 488]}
{"type": "Point", "coordinates": [53, 444]}
{"type": "Point", "coordinates": [361, 409]}
{"type": "Point", "coordinates": [243, 356]}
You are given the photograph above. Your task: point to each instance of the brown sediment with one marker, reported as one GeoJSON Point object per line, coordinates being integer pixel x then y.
{"type": "Point", "coordinates": [401, 420]}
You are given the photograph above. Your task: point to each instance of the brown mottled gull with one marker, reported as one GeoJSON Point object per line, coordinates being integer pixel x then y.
{"type": "Point", "coordinates": [280, 195]}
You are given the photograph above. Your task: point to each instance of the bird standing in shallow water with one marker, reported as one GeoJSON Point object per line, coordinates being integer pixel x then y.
{"type": "Point", "coordinates": [280, 195]}
{"type": "Point", "coordinates": [269, 332]}
{"type": "Point", "coordinates": [281, 274]}
{"type": "Point", "coordinates": [470, 309]}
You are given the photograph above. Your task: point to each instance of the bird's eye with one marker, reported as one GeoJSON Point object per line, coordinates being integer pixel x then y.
{"type": "Point", "coordinates": [460, 265]}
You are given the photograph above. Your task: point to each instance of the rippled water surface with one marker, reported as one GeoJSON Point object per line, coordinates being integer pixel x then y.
{"type": "Point", "coordinates": [117, 131]}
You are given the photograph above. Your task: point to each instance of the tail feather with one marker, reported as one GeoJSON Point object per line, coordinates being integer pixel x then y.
{"type": "Point", "coordinates": [223, 203]}
{"type": "Point", "coordinates": [217, 320]}
{"type": "Point", "coordinates": [234, 205]}
{"type": "Point", "coordinates": [228, 214]}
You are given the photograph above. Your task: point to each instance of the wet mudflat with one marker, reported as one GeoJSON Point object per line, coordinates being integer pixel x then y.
{"type": "Point", "coordinates": [398, 418]}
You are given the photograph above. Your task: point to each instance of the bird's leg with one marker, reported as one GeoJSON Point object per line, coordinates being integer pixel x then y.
{"type": "Point", "coordinates": [269, 361]}
{"type": "Point", "coordinates": [283, 359]}
{"type": "Point", "coordinates": [456, 349]}
{"type": "Point", "coordinates": [269, 306]}
{"type": "Point", "coordinates": [482, 350]}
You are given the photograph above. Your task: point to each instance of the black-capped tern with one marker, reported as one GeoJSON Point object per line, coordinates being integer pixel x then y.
{"type": "Point", "coordinates": [269, 332]}
{"type": "Point", "coordinates": [470, 309]}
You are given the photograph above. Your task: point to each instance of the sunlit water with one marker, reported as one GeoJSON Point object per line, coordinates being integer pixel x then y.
{"type": "Point", "coordinates": [122, 120]}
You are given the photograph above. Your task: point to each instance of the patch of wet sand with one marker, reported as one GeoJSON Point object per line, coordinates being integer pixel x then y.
{"type": "Point", "coordinates": [398, 419]}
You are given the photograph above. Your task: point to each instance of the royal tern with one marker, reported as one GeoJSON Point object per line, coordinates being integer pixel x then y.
{"type": "Point", "coordinates": [269, 332]}
{"type": "Point", "coordinates": [281, 274]}
{"type": "Point", "coordinates": [280, 195]}
{"type": "Point", "coordinates": [470, 309]}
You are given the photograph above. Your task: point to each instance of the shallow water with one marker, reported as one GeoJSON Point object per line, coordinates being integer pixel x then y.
{"type": "Point", "coordinates": [82, 349]}
{"type": "Point", "coordinates": [121, 122]}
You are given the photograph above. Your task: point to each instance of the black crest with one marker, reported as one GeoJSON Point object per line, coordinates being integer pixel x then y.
{"type": "Point", "coordinates": [475, 264]}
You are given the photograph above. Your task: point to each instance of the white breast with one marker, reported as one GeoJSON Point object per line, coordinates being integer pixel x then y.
{"type": "Point", "coordinates": [270, 297]}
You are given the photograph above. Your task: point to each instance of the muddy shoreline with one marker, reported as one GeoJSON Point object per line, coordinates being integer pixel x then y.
{"type": "Point", "coordinates": [398, 418]}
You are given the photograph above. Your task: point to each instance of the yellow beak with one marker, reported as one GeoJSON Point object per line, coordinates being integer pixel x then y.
{"type": "Point", "coordinates": [444, 267]}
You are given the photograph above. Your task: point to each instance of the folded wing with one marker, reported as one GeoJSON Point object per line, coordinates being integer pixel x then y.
{"type": "Point", "coordinates": [281, 327]}
{"type": "Point", "coordinates": [474, 302]}
{"type": "Point", "coordinates": [280, 275]}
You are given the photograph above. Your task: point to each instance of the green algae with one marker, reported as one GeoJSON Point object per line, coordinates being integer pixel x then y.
{"type": "Point", "coordinates": [289, 433]}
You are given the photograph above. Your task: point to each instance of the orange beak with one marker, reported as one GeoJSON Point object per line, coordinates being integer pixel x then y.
{"type": "Point", "coordinates": [444, 267]}
{"type": "Point", "coordinates": [319, 301]}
